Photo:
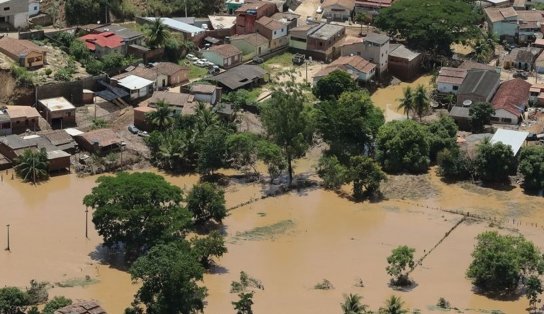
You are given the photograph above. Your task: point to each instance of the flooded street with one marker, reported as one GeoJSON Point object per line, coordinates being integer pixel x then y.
{"type": "Point", "coordinates": [388, 98]}
{"type": "Point", "coordinates": [290, 243]}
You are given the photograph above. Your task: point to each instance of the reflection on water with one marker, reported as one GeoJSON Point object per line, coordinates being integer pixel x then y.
{"type": "Point", "coordinates": [326, 237]}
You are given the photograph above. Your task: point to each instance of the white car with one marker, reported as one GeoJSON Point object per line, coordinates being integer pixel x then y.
{"type": "Point", "coordinates": [319, 10]}
{"type": "Point", "coordinates": [199, 63]}
{"type": "Point", "coordinates": [209, 64]}
{"type": "Point", "coordinates": [191, 57]}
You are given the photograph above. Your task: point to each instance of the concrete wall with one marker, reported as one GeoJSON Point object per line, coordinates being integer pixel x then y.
{"type": "Point", "coordinates": [72, 91]}
{"type": "Point", "coordinates": [447, 88]}
{"type": "Point", "coordinates": [503, 116]}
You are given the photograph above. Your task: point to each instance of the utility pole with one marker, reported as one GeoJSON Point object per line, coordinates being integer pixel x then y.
{"type": "Point", "coordinates": [86, 222]}
{"type": "Point", "coordinates": [185, 7]}
{"type": "Point", "coordinates": [8, 247]}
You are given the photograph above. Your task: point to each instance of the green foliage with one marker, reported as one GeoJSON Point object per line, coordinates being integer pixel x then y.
{"type": "Point", "coordinates": [531, 166]}
{"type": "Point", "coordinates": [37, 292]}
{"type": "Point", "coordinates": [176, 46]}
{"type": "Point", "coordinates": [48, 71]}
{"type": "Point", "coordinates": [12, 300]}
{"type": "Point", "coordinates": [243, 151]}
{"type": "Point", "coordinates": [332, 172]}
{"type": "Point", "coordinates": [393, 305]}
{"type": "Point", "coordinates": [400, 262]}
{"type": "Point", "coordinates": [242, 97]}
{"type": "Point", "coordinates": [501, 262]}
{"type": "Point", "coordinates": [207, 247]}
{"type": "Point", "coordinates": [177, 8]}
{"type": "Point", "coordinates": [33, 310]}
{"type": "Point", "coordinates": [243, 306]}
{"type": "Point", "coordinates": [122, 200]}
{"type": "Point", "coordinates": [112, 62]}
{"type": "Point", "coordinates": [206, 201]}
{"type": "Point", "coordinates": [454, 164]}
{"type": "Point", "coordinates": [352, 305]}
{"type": "Point", "coordinates": [211, 150]}
{"type": "Point", "coordinates": [333, 85]}
{"type": "Point", "coordinates": [421, 101]}
{"type": "Point", "coordinates": [65, 39]}
{"type": "Point", "coordinates": [55, 304]}
{"type": "Point", "coordinates": [272, 155]}
{"type": "Point", "coordinates": [403, 146]}
{"type": "Point", "coordinates": [246, 283]}
{"type": "Point", "coordinates": [366, 176]}
{"type": "Point", "coordinates": [157, 34]}
{"type": "Point", "coordinates": [350, 124]}
{"type": "Point", "coordinates": [494, 162]}
{"type": "Point", "coordinates": [324, 285]}
{"type": "Point", "coordinates": [288, 123]}
{"type": "Point", "coordinates": [170, 275]}
{"type": "Point", "coordinates": [406, 19]}
{"type": "Point", "coordinates": [32, 165]}
{"type": "Point", "coordinates": [94, 66]}
{"type": "Point", "coordinates": [443, 303]}
{"type": "Point", "coordinates": [79, 51]}
{"type": "Point", "coordinates": [442, 135]}
{"type": "Point", "coordinates": [99, 123]}
{"type": "Point", "coordinates": [171, 149]}
{"type": "Point", "coordinates": [480, 115]}
{"type": "Point", "coordinates": [22, 75]}
{"type": "Point", "coordinates": [406, 103]}
{"type": "Point", "coordinates": [82, 11]}
{"type": "Point", "coordinates": [161, 118]}
{"type": "Point", "coordinates": [533, 290]}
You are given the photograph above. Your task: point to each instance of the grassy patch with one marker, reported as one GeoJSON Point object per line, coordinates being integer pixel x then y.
{"type": "Point", "coordinates": [266, 232]}
{"type": "Point", "coordinates": [194, 71]}
{"type": "Point", "coordinates": [407, 186]}
{"type": "Point", "coordinates": [77, 282]}
{"type": "Point", "coordinates": [284, 60]}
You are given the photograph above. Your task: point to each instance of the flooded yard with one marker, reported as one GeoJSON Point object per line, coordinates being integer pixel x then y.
{"type": "Point", "coordinates": [290, 243]}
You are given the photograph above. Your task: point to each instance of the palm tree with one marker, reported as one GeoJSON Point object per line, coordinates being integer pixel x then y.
{"type": "Point", "coordinates": [421, 101]}
{"type": "Point", "coordinates": [33, 165]}
{"type": "Point", "coordinates": [157, 34]}
{"type": "Point", "coordinates": [407, 101]}
{"type": "Point", "coordinates": [162, 117]}
{"type": "Point", "coordinates": [352, 305]}
{"type": "Point", "coordinates": [205, 118]}
{"type": "Point", "coordinates": [393, 305]}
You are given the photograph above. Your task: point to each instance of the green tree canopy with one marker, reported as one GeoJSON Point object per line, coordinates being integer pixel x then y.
{"type": "Point", "coordinates": [244, 304]}
{"type": "Point", "coordinates": [32, 165]}
{"type": "Point", "coordinates": [406, 103]}
{"type": "Point", "coordinates": [333, 85]}
{"type": "Point", "coordinates": [421, 101]}
{"type": "Point", "coordinates": [332, 172]}
{"type": "Point", "coordinates": [352, 305]}
{"type": "Point", "coordinates": [366, 176]}
{"type": "Point", "coordinates": [12, 300]}
{"type": "Point", "coordinates": [204, 248]}
{"type": "Point", "coordinates": [454, 164]}
{"type": "Point", "coordinates": [431, 25]}
{"type": "Point", "coordinates": [162, 117]}
{"type": "Point", "coordinates": [400, 263]}
{"type": "Point", "coordinates": [243, 151]}
{"type": "Point", "coordinates": [170, 275]}
{"type": "Point", "coordinates": [393, 305]}
{"type": "Point", "coordinates": [403, 146]}
{"type": "Point", "coordinates": [501, 262]}
{"type": "Point", "coordinates": [212, 150]}
{"type": "Point", "coordinates": [350, 124]}
{"type": "Point", "coordinates": [206, 201]}
{"type": "Point", "coordinates": [442, 135]}
{"type": "Point", "coordinates": [137, 209]}
{"type": "Point", "coordinates": [79, 12]}
{"type": "Point", "coordinates": [494, 162]}
{"type": "Point", "coordinates": [480, 115]}
{"type": "Point", "coordinates": [531, 166]}
{"type": "Point", "coordinates": [157, 34]}
{"type": "Point", "coordinates": [55, 304]}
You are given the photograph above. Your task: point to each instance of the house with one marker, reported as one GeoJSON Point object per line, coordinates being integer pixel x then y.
{"type": "Point", "coordinates": [188, 31]}
{"type": "Point", "coordinates": [529, 24]}
{"type": "Point", "coordinates": [221, 26]}
{"type": "Point", "coordinates": [248, 14]}
{"type": "Point", "coordinates": [371, 6]}
{"type": "Point", "coordinates": [13, 146]}
{"type": "Point", "coordinates": [22, 118]}
{"type": "Point", "coordinates": [81, 307]}
{"type": "Point", "coordinates": [137, 87]}
{"type": "Point", "coordinates": [129, 36]}
{"type": "Point", "coordinates": [100, 141]}
{"type": "Point", "coordinates": [478, 86]}
{"type": "Point", "coordinates": [206, 93]}
{"type": "Point", "coordinates": [536, 94]}
{"type": "Point", "coordinates": [461, 115]}
{"type": "Point", "coordinates": [14, 13]}
{"type": "Point", "coordinates": [502, 21]}
{"type": "Point", "coordinates": [33, 7]}
{"type": "Point", "coordinates": [24, 52]}
{"type": "Point", "coordinates": [103, 44]}
{"type": "Point", "coordinates": [510, 101]}
{"type": "Point", "coordinates": [356, 66]}
{"type": "Point", "coordinates": [242, 76]}
{"type": "Point", "coordinates": [522, 58]}
{"type": "Point", "coordinates": [181, 103]}
{"type": "Point", "coordinates": [298, 36]}
{"type": "Point", "coordinates": [5, 122]}
{"type": "Point", "coordinates": [514, 139]}
{"type": "Point", "coordinates": [58, 112]}
{"type": "Point", "coordinates": [233, 5]}
{"type": "Point", "coordinates": [274, 31]}
{"type": "Point", "coordinates": [147, 72]}
{"type": "Point", "coordinates": [351, 46]}
{"type": "Point", "coordinates": [471, 65]}
{"type": "Point", "coordinates": [404, 63]}
{"type": "Point", "coordinates": [251, 44]}
{"type": "Point", "coordinates": [376, 50]}
{"type": "Point", "coordinates": [225, 56]}
{"type": "Point", "coordinates": [176, 74]}
{"type": "Point", "coordinates": [287, 18]}
{"type": "Point", "coordinates": [61, 139]}
{"type": "Point", "coordinates": [321, 41]}
{"type": "Point", "coordinates": [450, 79]}
{"type": "Point", "coordinates": [338, 10]}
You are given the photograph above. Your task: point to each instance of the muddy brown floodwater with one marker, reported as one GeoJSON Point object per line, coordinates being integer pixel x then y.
{"type": "Point", "coordinates": [290, 243]}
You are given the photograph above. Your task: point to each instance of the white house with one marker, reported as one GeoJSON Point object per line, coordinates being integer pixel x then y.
{"type": "Point", "coordinates": [205, 93]}
{"type": "Point", "coordinates": [274, 31]}
{"type": "Point", "coordinates": [502, 21]}
{"type": "Point", "coordinates": [339, 10]}
{"type": "Point", "coordinates": [510, 101]}
{"type": "Point", "coordinates": [357, 67]}
{"type": "Point", "coordinates": [33, 7]}
{"type": "Point", "coordinates": [137, 87]}
{"type": "Point", "coordinates": [450, 79]}
{"type": "Point", "coordinates": [14, 12]}
{"type": "Point", "coordinates": [376, 50]}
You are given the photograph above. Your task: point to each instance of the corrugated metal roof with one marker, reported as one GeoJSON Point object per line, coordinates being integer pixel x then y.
{"type": "Point", "coordinates": [509, 137]}
{"type": "Point", "coordinates": [177, 25]}
{"type": "Point", "coordinates": [133, 82]}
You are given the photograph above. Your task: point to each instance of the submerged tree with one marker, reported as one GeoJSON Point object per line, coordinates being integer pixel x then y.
{"type": "Point", "coordinates": [244, 304]}
{"type": "Point", "coordinates": [352, 305]}
{"type": "Point", "coordinates": [400, 263]}
{"type": "Point", "coordinates": [393, 305]}
{"type": "Point", "coordinates": [406, 103]}
{"type": "Point", "coordinates": [32, 165]}
{"type": "Point", "coordinates": [206, 202]}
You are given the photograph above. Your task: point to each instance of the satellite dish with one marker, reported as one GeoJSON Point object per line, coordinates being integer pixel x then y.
{"type": "Point", "coordinates": [467, 103]}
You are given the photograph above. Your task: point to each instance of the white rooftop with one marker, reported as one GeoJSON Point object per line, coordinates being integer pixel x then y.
{"type": "Point", "coordinates": [177, 25]}
{"type": "Point", "coordinates": [133, 82]}
{"type": "Point", "coordinates": [508, 137]}
{"type": "Point", "coordinates": [73, 131]}
{"type": "Point", "coordinates": [57, 103]}
{"type": "Point", "coordinates": [56, 154]}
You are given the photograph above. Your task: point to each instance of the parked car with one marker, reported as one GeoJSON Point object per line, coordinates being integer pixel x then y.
{"type": "Point", "coordinates": [298, 59]}
{"type": "Point", "coordinates": [214, 70]}
{"type": "Point", "coordinates": [209, 64]}
{"type": "Point", "coordinates": [143, 134]}
{"type": "Point", "coordinates": [199, 63]}
{"type": "Point", "coordinates": [132, 129]}
{"type": "Point", "coordinates": [521, 74]}
{"type": "Point", "coordinates": [191, 57]}
{"type": "Point", "coordinates": [257, 60]}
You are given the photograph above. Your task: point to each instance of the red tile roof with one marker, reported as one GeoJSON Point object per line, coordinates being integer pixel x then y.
{"type": "Point", "coordinates": [356, 62]}
{"type": "Point", "coordinates": [449, 75]}
{"type": "Point", "coordinates": [106, 39]}
{"type": "Point", "coordinates": [512, 96]}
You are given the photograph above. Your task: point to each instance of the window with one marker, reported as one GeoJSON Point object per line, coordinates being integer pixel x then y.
{"type": "Point", "coordinates": [6, 9]}
{"type": "Point", "coordinates": [68, 114]}
{"type": "Point", "coordinates": [35, 8]}
{"type": "Point", "coordinates": [274, 32]}
{"type": "Point", "coordinates": [455, 87]}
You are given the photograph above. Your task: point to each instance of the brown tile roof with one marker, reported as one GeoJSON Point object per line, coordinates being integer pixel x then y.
{"type": "Point", "coordinates": [104, 137]}
{"type": "Point", "coordinates": [172, 99]}
{"type": "Point", "coordinates": [356, 62]}
{"type": "Point", "coordinates": [83, 307]}
{"type": "Point", "coordinates": [469, 65]}
{"type": "Point", "coordinates": [57, 137]}
{"type": "Point", "coordinates": [270, 23]}
{"type": "Point", "coordinates": [373, 3]}
{"type": "Point", "coordinates": [449, 75]}
{"type": "Point", "coordinates": [253, 6]}
{"type": "Point", "coordinates": [16, 112]}
{"type": "Point", "coordinates": [169, 68]}
{"type": "Point", "coordinates": [348, 4]}
{"type": "Point", "coordinates": [18, 46]}
{"type": "Point", "coordinates": [226, 50]}
{"type": "Point", "coordinates": [512, 96]}
{"type": "Point", "coordinates": [254, 39]}
{"type": "Point", "coordinates": [202, 89]}
{"type": "Point", "coordinates": [500, 14]}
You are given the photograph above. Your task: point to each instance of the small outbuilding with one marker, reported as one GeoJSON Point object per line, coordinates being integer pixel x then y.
{"type": "Point", "coordinates": [515, 139]}
{"type": "Point", "coordinates": [100, 142]}
{"type": "Point", "coordinates": [58, 112]}
{"type": "Point", "coordinates": [137, 87]}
